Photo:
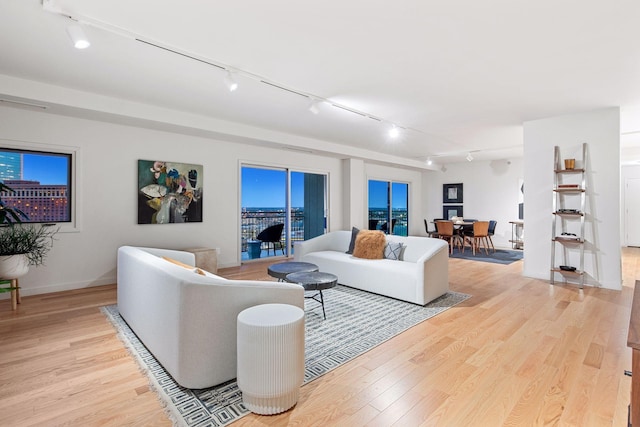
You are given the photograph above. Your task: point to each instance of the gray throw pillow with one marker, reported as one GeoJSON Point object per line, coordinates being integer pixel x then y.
{"type": "Point", "coordinates": [352, 244]}
{"type": "Point", "coordinates": [394, 251]}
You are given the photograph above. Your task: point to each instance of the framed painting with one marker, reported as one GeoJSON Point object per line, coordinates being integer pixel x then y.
{"type": "Point", "coordinates": [450, 211]}
{"type": "Point", "coordinates": [169, 192]}
{"type": "Point", "coordinates": [451, 193]}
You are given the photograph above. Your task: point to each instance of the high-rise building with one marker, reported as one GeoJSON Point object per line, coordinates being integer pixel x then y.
{"type": "Point", "coordinates": [10, 165]}
{"type": "Point", "coordinates": [40, 202]}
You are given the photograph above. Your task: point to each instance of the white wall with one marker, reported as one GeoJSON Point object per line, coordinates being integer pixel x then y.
{"type": "Point", "coordinates": [490, 192]}
{"type": "Point", "coordinates": [601, 130]}
{"type": "Point", "coordinates": [109, 200]}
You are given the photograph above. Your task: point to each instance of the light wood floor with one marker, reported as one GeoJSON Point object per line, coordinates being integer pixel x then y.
{"type": "Point", "coordinates": [520, 352]}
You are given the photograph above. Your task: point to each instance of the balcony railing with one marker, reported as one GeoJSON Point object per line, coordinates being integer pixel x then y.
{"type": "Point", "coordinates": [253, 221]}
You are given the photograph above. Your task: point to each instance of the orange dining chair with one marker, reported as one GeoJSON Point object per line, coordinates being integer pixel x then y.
{"type": "Point", "coordinates": [445, 231]}
{"type": "Point", "coordinates": [479, 236]}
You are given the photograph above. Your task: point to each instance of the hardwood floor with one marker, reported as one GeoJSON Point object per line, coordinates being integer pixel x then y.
{"type": "Point", "coordinates": [519, 352]}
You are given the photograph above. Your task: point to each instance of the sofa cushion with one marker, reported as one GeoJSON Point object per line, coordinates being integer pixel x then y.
{"type": "Point", "coordinates": [393, 251]}
{"type": "Point", "coordinates": [370, 244]}
{"type": "Point", "coordinates": [352, 244]}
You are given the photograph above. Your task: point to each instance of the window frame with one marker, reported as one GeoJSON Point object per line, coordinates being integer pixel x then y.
{"type": "Point", "coordinates": [75, 225]}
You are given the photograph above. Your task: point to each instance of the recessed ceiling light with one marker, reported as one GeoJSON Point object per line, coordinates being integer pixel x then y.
{"type": "Point", "coordinates": [394, 132]}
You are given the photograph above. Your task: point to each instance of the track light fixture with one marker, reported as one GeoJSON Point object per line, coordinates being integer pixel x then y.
{"type": "Point", "coordinates": [230, 81]}
{"type": "Point", "coordinates": [469, 157]}
{"type": "Point", "coordinates": [429, 161]}
{"type": "Point", "coordinates": [79, 38]}
{"type": "Point", "coordinates": [313, 106]}
{"type": "Point", "coordinates": [81, 41]}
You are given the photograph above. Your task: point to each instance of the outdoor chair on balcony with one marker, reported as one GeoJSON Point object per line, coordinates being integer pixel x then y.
{"type": "Point", "coordinates": [272, 234]}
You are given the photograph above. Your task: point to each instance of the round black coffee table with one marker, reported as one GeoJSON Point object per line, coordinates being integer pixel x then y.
{"type": "Point", "coordinates": [314, 281]}
{"type": "Point", "coordinates": [280, 270]}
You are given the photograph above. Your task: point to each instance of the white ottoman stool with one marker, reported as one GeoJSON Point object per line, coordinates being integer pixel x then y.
{"type": "Point", "coordinates": [270, 357]}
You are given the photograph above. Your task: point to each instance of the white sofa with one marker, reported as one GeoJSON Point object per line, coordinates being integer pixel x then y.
{"type": "Point", "coordinates": [188, 321]}
{"type": "Point", "coordinates": [422, 275]}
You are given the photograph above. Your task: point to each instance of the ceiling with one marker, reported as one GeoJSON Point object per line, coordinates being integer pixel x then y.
{"type": "Point", "coordinates": [456, 77]}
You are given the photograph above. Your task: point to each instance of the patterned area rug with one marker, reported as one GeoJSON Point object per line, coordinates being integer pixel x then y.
{"type": "Point", "coordinates": [356, 322]}
{"type": "Point", "coordinates": [500, 256]}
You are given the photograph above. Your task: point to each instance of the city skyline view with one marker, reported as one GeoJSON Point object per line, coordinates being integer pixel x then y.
{"type": "Point", "coordinates": [40, 184]}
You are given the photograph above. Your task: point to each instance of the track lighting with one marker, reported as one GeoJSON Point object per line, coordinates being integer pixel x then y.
{"type": "Point", "coordinates": [469, 157]}
{"type": "Point", "coordinates": [230, 82]}
{"type": "Point", "coordinates": [394, 131]}
{"type": "Point", "coordinates": [79, 38]}
{"type": "Point", "coordinates": [429, 161]}
{"type": "Point", "coordinates": [313, 106]}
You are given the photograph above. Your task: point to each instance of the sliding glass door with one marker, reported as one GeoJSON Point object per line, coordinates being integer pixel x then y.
{"type": "Point", "coordinates": [389, 207]}
{"type": "Point", "coordinates": [280, 206]}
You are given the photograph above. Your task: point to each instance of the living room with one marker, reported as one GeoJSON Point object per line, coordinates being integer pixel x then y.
{"type": "Point", "coordinates": [109, 132]}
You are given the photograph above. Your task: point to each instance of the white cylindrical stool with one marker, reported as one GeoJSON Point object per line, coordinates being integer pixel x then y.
{"type": "Point", "coordinates": [270, 357]}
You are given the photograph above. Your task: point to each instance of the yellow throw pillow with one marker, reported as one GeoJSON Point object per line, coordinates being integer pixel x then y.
{"type": "Point", "coordinates": [370, 244]}
{"type": "Point", "coordinates": [176, 262]}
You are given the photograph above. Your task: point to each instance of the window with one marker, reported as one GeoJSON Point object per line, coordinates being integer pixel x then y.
{"type": "Point", "coordinates": [389, 203]}
{"type": "Point", "coordinates": [43, 177]}
{"type": "Point", "coordinates": [273, 196]}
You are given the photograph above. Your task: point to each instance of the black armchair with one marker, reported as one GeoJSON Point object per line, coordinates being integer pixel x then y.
{"type": "Point", "coordinates": [272, 234]}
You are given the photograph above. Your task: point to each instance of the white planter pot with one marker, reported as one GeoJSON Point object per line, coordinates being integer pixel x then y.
{"type": "Point", "coordinates": [13, 266]}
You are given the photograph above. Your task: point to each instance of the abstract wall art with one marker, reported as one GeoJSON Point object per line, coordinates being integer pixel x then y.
{"type": "Point", "coordinates": [169, 192]}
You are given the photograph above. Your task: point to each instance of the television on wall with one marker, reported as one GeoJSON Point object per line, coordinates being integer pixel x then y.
{"type": "Point", "coordinates": [41, 182]}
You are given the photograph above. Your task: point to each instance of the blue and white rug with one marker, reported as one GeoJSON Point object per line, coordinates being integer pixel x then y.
{"type": "Point", "coordinates": [356, 322]}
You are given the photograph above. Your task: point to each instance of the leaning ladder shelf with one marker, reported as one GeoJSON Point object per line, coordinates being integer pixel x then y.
{"type": "Point", "coordinates": [564, 215]}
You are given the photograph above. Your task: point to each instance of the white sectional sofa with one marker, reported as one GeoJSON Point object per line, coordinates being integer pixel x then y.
{"type": "Point", "coordinates": [421, 276]}
{"type": "Point", "coordinates": [188, 321]}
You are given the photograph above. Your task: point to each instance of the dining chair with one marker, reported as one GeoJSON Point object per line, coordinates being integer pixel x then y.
{"type": "Point", "coordinates": [479, 236]}
{"type": "Point", "coordinates": [492, 231]}
{"type": "Point", "coordinates": [445, 231]}
{"type": "Point", "coordinates": [430, 233]}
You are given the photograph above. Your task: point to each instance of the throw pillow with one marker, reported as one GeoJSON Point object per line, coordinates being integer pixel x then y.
{"type": "Point", "coordinates": [393, 250]}
{"type": "Point", "coordinates": [352, 244]}
{"type": "Point", "coordinates": [370, 244]}
{"type": "Point", "coordinates": [176, 262]}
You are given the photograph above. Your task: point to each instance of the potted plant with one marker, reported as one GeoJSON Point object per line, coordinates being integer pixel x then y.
{"type": "Point", "coordinates": [21, 245]}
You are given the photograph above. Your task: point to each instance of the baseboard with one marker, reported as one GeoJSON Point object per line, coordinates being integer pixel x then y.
{"type": "Point", "coordinates": [39, 290]}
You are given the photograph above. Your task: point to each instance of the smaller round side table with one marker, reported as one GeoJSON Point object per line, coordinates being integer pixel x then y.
{"type": "Point", "coordinates": [314, 281]}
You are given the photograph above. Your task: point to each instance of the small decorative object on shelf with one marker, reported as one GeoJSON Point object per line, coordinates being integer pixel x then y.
{"type": "Point", "coordinates": [570, 235]}
{"type": "Point", "coordinates": [569, 164]}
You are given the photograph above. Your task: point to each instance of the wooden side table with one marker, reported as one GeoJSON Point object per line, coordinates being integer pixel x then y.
{"type": "Point", "coordinates": [15, 291]}
{"type": "Point", "coordinates": [206, 258]}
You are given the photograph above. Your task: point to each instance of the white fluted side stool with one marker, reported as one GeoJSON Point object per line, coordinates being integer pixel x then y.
{"type": "Point", "coordinates": [270, 357]}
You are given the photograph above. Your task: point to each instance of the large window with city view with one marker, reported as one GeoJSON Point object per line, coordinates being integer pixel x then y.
{"type": "Point", "coordinates": [389, 207]}
{"type": "Point", "coordinates": [274, 196]}
{"type": "Point", "coordinates": [41, 184]}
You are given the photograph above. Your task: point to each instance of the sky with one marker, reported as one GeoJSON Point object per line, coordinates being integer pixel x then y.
{"type": "Point", "coordinates": [265, 188]}
{"type": "Point", "coordinates": [46, 169]}
{"type": "Point", "coordinates": [378, 194]}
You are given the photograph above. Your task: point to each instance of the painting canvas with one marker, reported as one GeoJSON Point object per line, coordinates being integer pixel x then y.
{"type": "Point", "coordinates": [169, 192]}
